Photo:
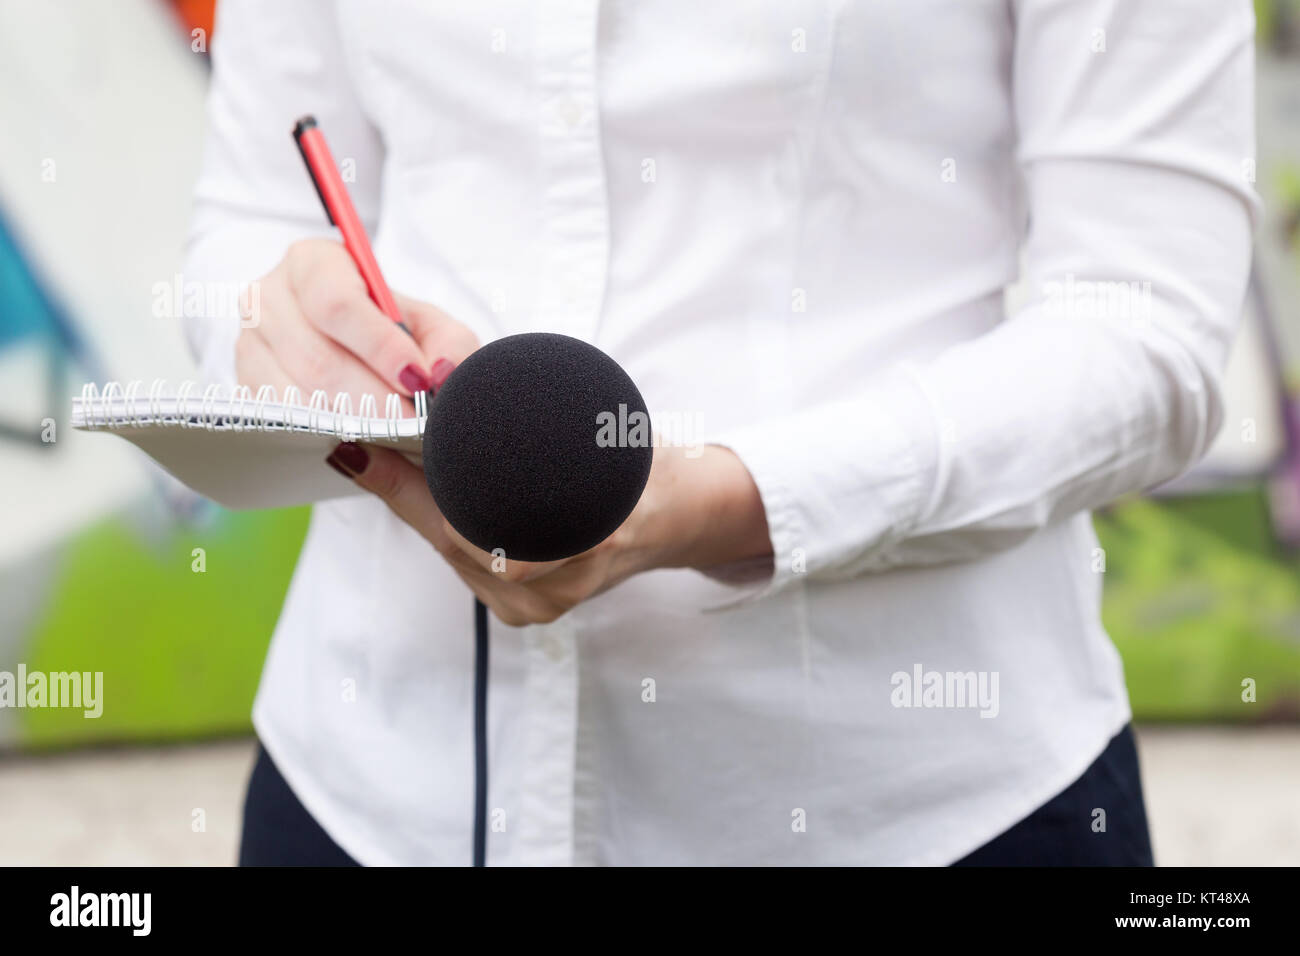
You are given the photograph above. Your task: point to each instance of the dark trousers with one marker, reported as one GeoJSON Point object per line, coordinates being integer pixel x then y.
{"type": "Point", "coordinates": [278, 830]}
{"type": "Point", "coordinates": [1062, 831]}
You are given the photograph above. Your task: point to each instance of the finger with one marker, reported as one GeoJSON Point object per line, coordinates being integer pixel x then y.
{"type": "Point", "coordinates": [333, 298]}
{"type": "Point", "coordinates": [439, 335]}
{"type": "Point", "coordinates": [311, 359]}
{"type": "Point", "coordinates": [399, 484]}
{"type": "Point", "coordinates": [255, 364]}
{"type": "Point", "coordinates": [518, 572]}
{"type": "Point", "coordinates": [513, 604]}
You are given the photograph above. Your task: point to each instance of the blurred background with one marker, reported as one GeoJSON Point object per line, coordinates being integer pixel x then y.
{"type": "Point", "coordinates": [102, 111]}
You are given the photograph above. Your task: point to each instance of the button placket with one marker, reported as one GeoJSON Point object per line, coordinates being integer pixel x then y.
{"type": "Point", "coordinates": [574, 232]}
{"type": "Point", "coordinates": [545, 834]}
{"type": "Point", "coordinates": [572, 246]}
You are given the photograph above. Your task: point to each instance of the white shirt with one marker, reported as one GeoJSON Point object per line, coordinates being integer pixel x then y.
{"type": "Point", "coordinates": [793, 224]}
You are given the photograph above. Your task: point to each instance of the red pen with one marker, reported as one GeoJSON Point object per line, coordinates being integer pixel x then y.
{"type": "Point", "coordinates": [341, 213]}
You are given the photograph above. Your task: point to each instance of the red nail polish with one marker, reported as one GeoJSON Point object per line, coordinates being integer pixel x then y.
{"type": "Point", "coordinates": [440, 372]}
{"type": "Point", "coordinates": [414, 380]}
{"type": "Point", "coordinates": [339, 468]}
{"type": "Point", "coordinates": [348, 459]}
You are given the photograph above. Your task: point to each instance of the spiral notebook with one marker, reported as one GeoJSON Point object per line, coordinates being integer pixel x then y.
{"type": "Point", "coordinates": [244, 449]}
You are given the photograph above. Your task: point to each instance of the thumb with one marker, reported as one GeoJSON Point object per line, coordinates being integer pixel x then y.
{"type": "Point", "coordinates": [392, 478]}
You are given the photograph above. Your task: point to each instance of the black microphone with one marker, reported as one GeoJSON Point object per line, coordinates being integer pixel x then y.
{"type": "Point", "coordinates": [539, 445]}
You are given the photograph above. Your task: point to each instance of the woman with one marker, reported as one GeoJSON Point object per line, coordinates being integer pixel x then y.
{"type": "Point", "coordinates": [856, 620]}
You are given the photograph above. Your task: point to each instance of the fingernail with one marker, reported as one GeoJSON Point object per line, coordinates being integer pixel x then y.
{"type": "Point", "coordinates": [440, 372]}
{"type": "Point", "coordinates": [414, 380]}
{"type": "Point", "coordinates": [348, 459]}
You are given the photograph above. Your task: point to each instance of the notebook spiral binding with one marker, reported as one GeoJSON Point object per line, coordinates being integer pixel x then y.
{"type": "Point", "coordinates": [117, 405]}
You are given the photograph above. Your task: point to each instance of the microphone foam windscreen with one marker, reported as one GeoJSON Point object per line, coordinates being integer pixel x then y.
{"type": "Point", "coordinates": [518, 452]}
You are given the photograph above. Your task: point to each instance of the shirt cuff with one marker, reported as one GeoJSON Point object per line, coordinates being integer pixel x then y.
{"type": "Point", "coordinates": [842, 482]}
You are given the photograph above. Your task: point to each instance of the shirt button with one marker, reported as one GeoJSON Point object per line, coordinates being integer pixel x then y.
{"type": "Point", "coordinates": [569, 111]}
{"type": "Point", "coordinates": [553, 647]}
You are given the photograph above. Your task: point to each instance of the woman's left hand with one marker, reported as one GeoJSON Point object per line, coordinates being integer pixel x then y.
{"type": "Point", "coordinates": [698, 510]}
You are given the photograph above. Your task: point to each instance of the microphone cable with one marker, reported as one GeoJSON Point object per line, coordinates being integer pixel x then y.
{"type": "Point", "coordinates": [480, 732]}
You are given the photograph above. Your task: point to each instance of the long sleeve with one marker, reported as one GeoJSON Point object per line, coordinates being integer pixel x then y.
{"type": "Point", "coordinates": [272, 63]}
{"type": "Point", "coordinates": [1135, 145]}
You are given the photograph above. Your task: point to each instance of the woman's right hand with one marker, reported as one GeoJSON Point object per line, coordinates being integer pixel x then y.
{"type": "Point", "coordinates": [309, 322]}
